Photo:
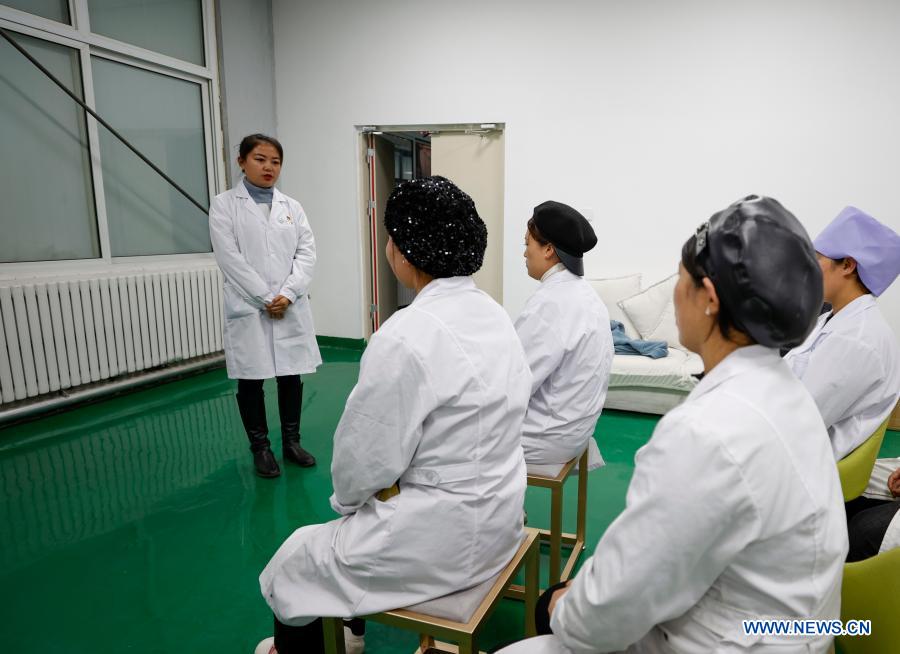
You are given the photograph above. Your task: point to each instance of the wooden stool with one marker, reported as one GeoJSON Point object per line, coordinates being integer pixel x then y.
{"type": "Point", "coordinates": [464, 633]}
{"type": "Point", "coordinates": [539, 476]}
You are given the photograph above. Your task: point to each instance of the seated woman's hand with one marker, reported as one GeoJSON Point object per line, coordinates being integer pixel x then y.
{"type": "Point", "coordinates": [893, 483]}
{"type": "Point", "coordinates": [557, 595]}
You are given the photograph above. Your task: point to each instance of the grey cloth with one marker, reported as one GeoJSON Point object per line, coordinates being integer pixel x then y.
{"type": "Point", "coordinates": [625, 345]}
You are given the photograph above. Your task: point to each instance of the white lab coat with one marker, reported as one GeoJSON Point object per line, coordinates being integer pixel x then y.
{"type": "Point", "coordinates": [565, 332]}
{"type": "Point", "coordinates": [442, 391]}
{"type": "Point", "coordinates": [263, 256]}
{"type": "Point", "coordinates": [734, 512]}
{"type": "Point", "coordinates": [851, 366]}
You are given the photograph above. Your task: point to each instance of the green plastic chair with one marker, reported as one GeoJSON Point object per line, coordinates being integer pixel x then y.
{"type": "Point", "coordinates": [871, 591]}
{"type": "Point", "coordinates": [856, 468]}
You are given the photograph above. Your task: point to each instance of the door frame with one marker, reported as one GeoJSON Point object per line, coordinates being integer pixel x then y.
{"type": "Point", "coordinates": [369, 247]}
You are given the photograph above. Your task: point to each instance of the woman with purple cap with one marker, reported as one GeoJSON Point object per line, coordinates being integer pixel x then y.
{"type": "Point", "coordinates": [850, 362]}
{"type": "Point", "coordinates": [734, 511]}
{"type": "Point", "coordinates": [564, 329]}
{"type": "Point", "coordinates": [428, 469]}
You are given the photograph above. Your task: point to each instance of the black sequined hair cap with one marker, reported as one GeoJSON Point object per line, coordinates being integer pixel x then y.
{"type": "Point", "coordinates": [436, 227]}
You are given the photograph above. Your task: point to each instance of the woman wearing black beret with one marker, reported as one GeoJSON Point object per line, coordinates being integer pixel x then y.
{"type": "Point", "coordinates": [564, 330]}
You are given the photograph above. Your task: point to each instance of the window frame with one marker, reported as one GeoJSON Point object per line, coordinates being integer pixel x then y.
{"type": "Point", "coordinates": [79, 37]}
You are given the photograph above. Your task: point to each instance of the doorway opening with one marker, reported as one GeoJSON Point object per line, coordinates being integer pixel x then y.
{"type": "Point", "coordinates": [471, 155]}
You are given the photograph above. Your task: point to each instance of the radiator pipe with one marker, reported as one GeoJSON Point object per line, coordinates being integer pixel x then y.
{"type": "Point", "coordinates": [103, 390]}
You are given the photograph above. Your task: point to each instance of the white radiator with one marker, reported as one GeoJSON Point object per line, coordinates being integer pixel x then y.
{"type": "Point", "coordinates": [66, 333]}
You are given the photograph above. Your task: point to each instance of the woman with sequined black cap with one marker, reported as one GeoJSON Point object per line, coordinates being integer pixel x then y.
{"type": "Point", "coordinates": [428, 468]}
{"type": "Point", "coordinates": [734, 511]}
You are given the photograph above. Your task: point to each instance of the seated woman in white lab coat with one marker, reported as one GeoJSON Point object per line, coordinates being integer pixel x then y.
{"type": "Point", "coordinates": [436, 419]}
{"type": "Point", "coordinates": [734, 511]}
{"type": "Point", "coordinates": [265, 248]}
{"type": "Point", "coordinates": [850, 363]}
{"type": "Point", "coordinates": [565, 332]}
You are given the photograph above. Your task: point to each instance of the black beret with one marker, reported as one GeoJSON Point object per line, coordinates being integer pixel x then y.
{"type": "Point", "coordinates": [436, 227]}
{"type": "Point", "coordinates": [569, 232]}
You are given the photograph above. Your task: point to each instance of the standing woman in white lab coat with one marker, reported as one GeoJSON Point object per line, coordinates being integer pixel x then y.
{"type": "Point", "coordinates": [428, 469]}
{"type": "Point", "coordinates": [264, 245]}
{"type": "Point", "coordinates": [734, 511]}
{"type": "Point", "coordinates": [850, 363]}
{"type": "Point", "coordinates": [564, 329]}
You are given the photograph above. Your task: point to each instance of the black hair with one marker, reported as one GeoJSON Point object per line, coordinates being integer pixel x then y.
{"type": "Point", "coordinates": [536, 233]}
{"type": "Point", "coordinates": [840, 262]}
{"type": "Point", "coordinates": [695, 268]}
{"type": "Point", "coordinates": [251, 141]}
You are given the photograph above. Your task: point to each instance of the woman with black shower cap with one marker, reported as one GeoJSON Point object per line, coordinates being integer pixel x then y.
{"type": "Point", "coordinates": [428, 468]}
{"type": "Point", "coordinates": [734, 511]}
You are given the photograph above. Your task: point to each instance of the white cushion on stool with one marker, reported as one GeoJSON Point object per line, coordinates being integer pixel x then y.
{"type": "Point", "coordinates": [544, 469]}
{"type": "Point", "coordinates": [458, 607]}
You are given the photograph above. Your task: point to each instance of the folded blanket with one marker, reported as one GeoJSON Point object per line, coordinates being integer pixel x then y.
{"type": "Point", "coordinates": [625, 345]}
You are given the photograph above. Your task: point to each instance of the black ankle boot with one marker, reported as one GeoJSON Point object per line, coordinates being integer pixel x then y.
{"type": "Point", "coordinates": [290, 402]}
{"type": "Point", "coordinates": [253, 415]}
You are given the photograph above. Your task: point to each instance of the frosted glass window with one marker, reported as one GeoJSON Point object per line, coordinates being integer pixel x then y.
{"type": "Point", "coordinates": [170, 27]}
{"type": "Point", "coordinates": [53, 9]}
{"type": "Point", "coordinates": [163, 117]}
{"type": "Point", "coordinates": [47, 211]}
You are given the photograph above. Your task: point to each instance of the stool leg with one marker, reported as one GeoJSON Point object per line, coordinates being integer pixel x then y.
{"type": "Point", "coordinates": [581, 524]}
{"type": "Point", "coordinates": [556, 505]}
{"type": "Point", "coordinates": [468, 645]}
{"type": "Point", "coordinates": [333, 629]}
{"type": "Point", "coordinates": [425, 642]}
{"type": "Point", "coordinates": [532, 586]}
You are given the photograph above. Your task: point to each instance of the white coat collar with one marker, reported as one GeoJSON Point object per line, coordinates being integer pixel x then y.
{"type": "Point", "coordinates": [552, 270]}
{"type": "Point", "coordinates": [740, 361]}
{"type": "Point", "coordinates": [553, 276]}
{"type": "Point", "coordinates": [849, 313]}
{"type": "Point", "coordinates": [444, 285]}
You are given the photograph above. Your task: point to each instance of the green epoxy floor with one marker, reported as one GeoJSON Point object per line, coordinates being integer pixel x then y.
{"type": "Point", "coordinates": [137, 524]}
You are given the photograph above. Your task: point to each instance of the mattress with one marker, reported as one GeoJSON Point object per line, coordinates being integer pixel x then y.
{"type": "Point", "coordinates": [673, 372]}
{"type": "Point", "coordinates": [647, 385]}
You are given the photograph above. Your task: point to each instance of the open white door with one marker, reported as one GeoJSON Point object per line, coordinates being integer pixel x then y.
{"type": "Point", "coordinates": [474, 162]}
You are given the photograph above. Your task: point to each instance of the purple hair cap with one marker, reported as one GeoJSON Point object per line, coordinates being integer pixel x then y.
{"type": "Point", "coordinates": [875, 247]}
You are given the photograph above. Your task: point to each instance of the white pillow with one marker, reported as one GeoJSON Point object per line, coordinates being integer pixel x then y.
{"type": "Point", "coordinates": [612, 290]}
{"type": "Point", "coordinates": [652, 312]}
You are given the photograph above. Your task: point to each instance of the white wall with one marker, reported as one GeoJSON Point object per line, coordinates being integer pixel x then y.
{"type": "Point", "coordinates": [654, 114]}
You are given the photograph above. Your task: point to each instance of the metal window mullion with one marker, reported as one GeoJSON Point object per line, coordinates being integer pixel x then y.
{"type": "Point", "coordinates": [78, 11]}
{"type": "Point", "coordinates": [208, 141]}
{"type": "Point", "coordinates": [18, 18]}
{"type": "Point", "coordinates": [87, 80]}
{"type": "Point", "coordinates": [219, 156]}
{"type": "Point", "coordinates": [69, 40]}
{"type": "Point", "coordinates": [147, 65]}
{"type": "Point", "coordinates": [166, 63]}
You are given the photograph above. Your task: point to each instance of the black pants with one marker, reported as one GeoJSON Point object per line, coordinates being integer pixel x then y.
{"type": "Point", "coordinates": [308, 639]}
{"type": "Point", "coordinates": [254, 387]}
{"type": "Point", "coordinates": [867, 522]}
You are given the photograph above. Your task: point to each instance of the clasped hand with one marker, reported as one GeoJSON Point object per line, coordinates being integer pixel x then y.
{"type": "Point", "coordinates": [894, 483]}
{"type": "Point", "coordinates": [277, 307]}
